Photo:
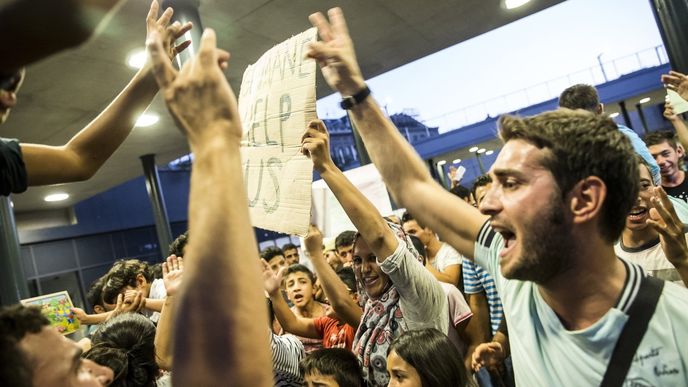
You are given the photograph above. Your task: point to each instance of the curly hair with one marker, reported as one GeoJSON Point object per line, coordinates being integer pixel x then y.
{"type": "Point", "coordinates": [580, 96]}
{"type": "Point", "coordinates": [122, 274]}
{"type": "Point", "coordinates": [580, 144]}
{"type": "Point", "coordinates": [177, 247]}
{"type": "Point", "coordinates": [271, 252]}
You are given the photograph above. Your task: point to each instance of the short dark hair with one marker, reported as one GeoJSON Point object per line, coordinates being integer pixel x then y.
{"type": "Point", "coordinates": [289, 246]}
{"type": "Point", "coordinates": [570, 138]}
{"type": "Point", "coordinates": [345, 238]}
{"type": "Point", "coordinates": [419, 247]}
{"type": "Point", "coordinates": [95, 293]}
{"type": "Point", "coordinates": [17, 321]}
{"type": "Point", "coordinates": [177, 247]}
{"type": "Point", "coordinates": [659, 137]}
{"type": "Point", "coordinates": [125, 343]}
{"type": "Point", "coordinates": [480, 181]}
{"type": "Point", "coordinates": [347, 275]}
{"type": "Point", "coordinates": [298, 268]}
{"type": "Point", "coordinates": [407, 217]}
{"type": "Point", "coordinates": [271, 252]}
{"type": "Point", "coordinates": [339, 363]}
{"type": "Point", "coordinates": [434, 357]}
{"type": "Point", "coordinates": [122, 274]}
{"type": "Point", "coordinates": [580, 96]}
{"type": "Point", "coordinates": [461, 191]}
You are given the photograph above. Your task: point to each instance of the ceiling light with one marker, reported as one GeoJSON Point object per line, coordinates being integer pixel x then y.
{"type": "Point", "coordinates": [489, 152]}
{"type": "Point", "coordinates": [511, 4]}
{"type": "Point", "coordinates": [475, 148]}
{"type": "Point", "coordinates": [137, 59]}
{"type": "Point", "coordinates": [56, 197]}
{"type": "Point", "coordinates": [614, 115]}
{"type": "Point", "coordinates": [456, 161]}
{"type": "Point", "coordinates": [147, 119]}
{"type": "Point", "coordinates": [481, 150]}
{"type": "Point", "coordinates": [645, 100]}
{"type": "Point", "coordinates": [441, 163]}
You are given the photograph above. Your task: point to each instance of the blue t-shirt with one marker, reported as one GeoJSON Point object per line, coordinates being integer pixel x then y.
{"type": "Point", "coordinates": [476, 280]}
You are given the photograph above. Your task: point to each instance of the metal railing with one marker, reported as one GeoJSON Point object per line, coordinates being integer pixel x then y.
{"type": "Point", "coordinates": [541, 92]}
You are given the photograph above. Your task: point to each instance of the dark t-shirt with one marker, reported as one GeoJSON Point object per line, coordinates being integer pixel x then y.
{"type": "Point", "coordinates": [12, 169]}
{"type": "Point", "coordinates": [680, 191]}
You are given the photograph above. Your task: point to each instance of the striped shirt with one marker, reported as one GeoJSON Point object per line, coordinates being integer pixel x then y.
{"type": "Point", "coordinates": [477, 280]}
{"type": "Point", "coordinates": [287, 352]}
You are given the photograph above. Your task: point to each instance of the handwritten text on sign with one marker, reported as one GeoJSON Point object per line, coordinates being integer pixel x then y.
{"type": "Point", "coordinates": [276, 102]}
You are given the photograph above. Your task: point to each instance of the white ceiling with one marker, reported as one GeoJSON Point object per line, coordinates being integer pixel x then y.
{"type": "Point", "coordinates": [63, 93]}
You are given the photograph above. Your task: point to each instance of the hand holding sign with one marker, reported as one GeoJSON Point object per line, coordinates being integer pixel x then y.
{"type": "Point", "coordinates": [677, 85]}
{"type": "Point", "coordinates": [315, 144]}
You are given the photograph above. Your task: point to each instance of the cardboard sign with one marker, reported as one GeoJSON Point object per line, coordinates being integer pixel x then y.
{"type": "Point", "coordinates": [276, 102]}
{"type": "Point", "coordinates": [679, 104]}
{"type": "Point", "coordinates": [57, 307]}
{"type": "Point", "coordinates": [329, 215]}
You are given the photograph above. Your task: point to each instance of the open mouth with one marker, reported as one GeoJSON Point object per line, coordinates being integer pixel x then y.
{"type": "Point", "coordinates": [510, 242]}
{"type": "Point", "coordinates": [298, 298]}
{"type": "Point", "coordinates": [637, 214]}
{"type": "Point", "coordinates": [370, 281]}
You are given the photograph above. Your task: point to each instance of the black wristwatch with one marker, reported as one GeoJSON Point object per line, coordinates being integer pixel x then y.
{"type": "Point", "coordinates": [349, 102]}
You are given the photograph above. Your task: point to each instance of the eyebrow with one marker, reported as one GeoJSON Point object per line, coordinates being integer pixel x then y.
{"type": "Point", "coordinates": [503, 172]}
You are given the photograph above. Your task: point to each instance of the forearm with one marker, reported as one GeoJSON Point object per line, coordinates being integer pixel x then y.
{"type": "Point", "coordinates": [450, 276]}
{"type": "Point", "coordinates": [681, 131]}
{"type": "Point", "coordinates": [88, 150]}
{"type": "Point", "coordinates": [154, 304]}
{"type": "Point", "coordinates": [163, 334]}
{"type": "Point", "coordinates": [362, 213]}
{"type": "Point", "coordinates": [410, 182]}
{"type": "Point", "coordinates": [335, 290]}
{"type": "Point", "coordinates": [288, 320]}
{"type": "Point", "coordinates": [94, 319]}
{"type": "Point", "coordinates": [478, 329]}
{"type": "Point", "coordinates": [222, 259]}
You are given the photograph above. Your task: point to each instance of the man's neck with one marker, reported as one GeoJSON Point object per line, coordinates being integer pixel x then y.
{"type": "Point", "coordinates": [433, 247]}
{"type": "Point", "coordinates": [638, 238]}
{"type": "Point", "coordinates": [310, 310]}
{"type": "Point", "coordinates": [673, 180]}
{"type": "Point", "coordinates": [584, 293]}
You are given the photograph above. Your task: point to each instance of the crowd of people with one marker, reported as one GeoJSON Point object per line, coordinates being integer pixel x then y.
{"type": "Point", "coordinates": [566, 264]}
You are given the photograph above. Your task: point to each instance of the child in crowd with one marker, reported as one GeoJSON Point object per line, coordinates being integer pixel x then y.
{"type": "Point", "coordinates": [299, 282]}
{"type": "Point", "coordinates": [130, 276]}
{"type": "Point", "coordinates": [334, 367]}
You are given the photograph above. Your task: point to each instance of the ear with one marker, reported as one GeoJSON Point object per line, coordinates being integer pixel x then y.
{"type": "Point", "coordinates": [140, 280]}
{"type": "Point", "coordinates": [680, 151]}
{"type": "Point", "coordinates": [98, 309]}
{"type": "Point", "coordinates": [586, 199]}
{"type": "Point", "coordinates": [600, 108]}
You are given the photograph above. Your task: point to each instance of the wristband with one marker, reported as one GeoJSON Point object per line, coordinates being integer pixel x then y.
{"type": "Point", "coordinates": [349, 102]}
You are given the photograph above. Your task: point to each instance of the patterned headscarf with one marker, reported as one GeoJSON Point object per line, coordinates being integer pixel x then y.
{"type": "Point", "coordinates": [381, 322]}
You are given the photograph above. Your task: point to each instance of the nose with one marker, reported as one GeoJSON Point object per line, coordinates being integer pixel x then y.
{"type": "Point", "coordinates": [103, 374]}
{"type": "Point", "coordinates": [490, 205]}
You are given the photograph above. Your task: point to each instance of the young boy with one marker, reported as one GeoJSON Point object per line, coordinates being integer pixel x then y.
{"type": "Point", "coordinates": [334, 367]}
{"type": "Point", "coordinates": [299, 284]}
{"type": "Point", "coordinates": [129, 276]}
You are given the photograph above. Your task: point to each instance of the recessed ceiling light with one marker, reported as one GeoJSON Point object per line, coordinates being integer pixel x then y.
{"type": "Point", "coordinates": [56, 197]}
{"type": "Point", "coordinates": [475, 148]}
{"type": "Point", "coordinates": [147, 119]}
{"type": "Point", "coordinates": [489, 152]}
{"type": "Point", "coordinates": [481, 150]}
{"type": "Point", "coordinates": [645, 100]}
{"type": "Point", "coordinates": [511, 4]}
{"type": "Point", "coordinates": [441, 163]}
{"type": "Point", "coordinates": [614, 115]}
{"type": "Point", "coordinates": [456, 161]}
{"type": "Point", "coordinates": [137, 59]}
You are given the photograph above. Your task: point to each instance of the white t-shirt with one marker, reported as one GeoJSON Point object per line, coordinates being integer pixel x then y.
{"type": "Point", "coordinates": [652, 259]}
{"type": "Point", "coordinates": [545, 353]}
{"type": "Point", "coordinates": [157, 292]}
{"type": "Point", "coordinates": [446, 256]}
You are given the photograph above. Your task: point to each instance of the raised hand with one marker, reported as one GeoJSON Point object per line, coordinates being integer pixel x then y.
{"type": "Point", "coordinates": [80, 315]}
{"type": "Point", "coordinates": [271, 280]}
{"type": "Point", "coordinates": [489, 355]}
{"type": "Point", "coordinates": [314, 241]}
{"type": "Point", "coordinates": [168, 32]}
{"type": "Point", "coordinates": [198, 96]}
{"type": "Point", "coordinates": [335, 53]}
{"type": "Point", "coordinates": [678, 82]}
{"type": "Point", "coordinates": [315, 143]}
{"type": "Point", "coordinates": [672, 237]}
{"type": "Point", "coordinates": [669, 112]}
{"type": "Point", "coordinates": [130, 301]}
{"type": "Point", "coordinates": [172, 271]}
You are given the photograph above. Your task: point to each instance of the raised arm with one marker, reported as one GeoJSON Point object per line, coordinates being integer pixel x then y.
{"type": "Point", "coordinates": [172, 271]}
{"type": "Point", "coordinates": [290, 322]}
{"type": "Point", "coordinates": [678, 124]}
{"type": "Point", "coordinates": [88, 150]}
{"type": "Point", "coordinates": [677, 82]}
{"type": "Point", "coordinates": [361, 212]}
{"type": "Point", "coordinates": [335, 290]}
{"type": "Point", "coordinates": [214, 342]}
{"type": "Point", "coordinates": [35, 29]}
{"type": "Point", "coordinates": [405, 174]}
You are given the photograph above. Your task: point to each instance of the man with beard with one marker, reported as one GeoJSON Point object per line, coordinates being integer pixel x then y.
{"type": "Point", "coordinates": [561, 188]}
